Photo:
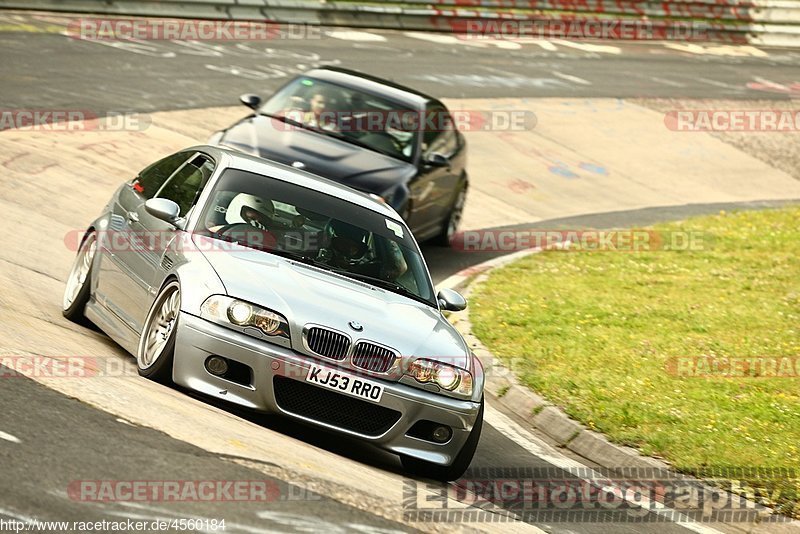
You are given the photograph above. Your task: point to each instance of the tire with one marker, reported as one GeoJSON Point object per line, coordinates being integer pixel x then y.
{"type": "Point", "coordinates": [157, 341]}
{"type": "Point", "coordinates": [445, 237]}
{"type": "Point", "coordinates": [79, 282]}
{"type": "Point", "coordinates": [446, 473]}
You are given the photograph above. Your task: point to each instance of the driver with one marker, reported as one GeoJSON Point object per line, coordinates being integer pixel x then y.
{"type": "Point", "coordinates": [348, 245]}
{"type": "Point", "coordinates": [244, 211]}
{"type": "Point", "coordinates": [250, 209]}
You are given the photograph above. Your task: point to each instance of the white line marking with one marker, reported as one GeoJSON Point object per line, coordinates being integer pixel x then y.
{"type": "Point", "coordinates": [716, 83]}
{"type": "Point", "coordinates": [771, 84]}
{"type": "Point", "coordinates": [572, 78]}
{"type": "Point", "coordinates": [667, 82]}
{"type": "Point", "coordinates": [719, 50]}
{"type": "Point", "coordinates": [545, 44]}
{"type": "Point", "coordinates": [15, 515]}
{"type": "Point", "coordinates": [537, 447]}
{"type": "Point", "coordinates": [9, 437]}
{"type": "Point", "coordinates": [357, 36]}
{"type": "Point", "coordinates": [589, 47]}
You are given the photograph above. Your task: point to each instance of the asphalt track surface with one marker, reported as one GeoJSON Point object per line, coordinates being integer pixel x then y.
{"type": "Point", "coordinates": [42, 69]}
{"type": "Point", "coordinates": [58, 440]}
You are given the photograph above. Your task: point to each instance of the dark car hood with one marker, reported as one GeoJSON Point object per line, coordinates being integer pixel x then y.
{"type": "Point", "coordinates": [331, 158]}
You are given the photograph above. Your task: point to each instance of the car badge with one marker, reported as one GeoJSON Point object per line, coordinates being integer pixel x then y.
{"type": "Point", "coordinates": [299, 165]}
{"type": "Point", "coordinates": [355, 325]}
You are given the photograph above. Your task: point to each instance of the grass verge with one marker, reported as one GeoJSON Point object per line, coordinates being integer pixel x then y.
{"type": "Point", "coordinates": [616, 339]}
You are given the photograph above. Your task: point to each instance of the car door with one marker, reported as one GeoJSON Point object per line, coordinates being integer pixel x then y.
{"type": "Point", "coordinates": [152, 263]}
{"type": "Point", "coordinates": [432, 190]}
{"type": "Point", "coordinates": [120, 289]}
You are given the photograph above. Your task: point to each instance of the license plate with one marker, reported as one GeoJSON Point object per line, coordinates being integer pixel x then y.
{"type": "Point", "coordinates": [345, 383]}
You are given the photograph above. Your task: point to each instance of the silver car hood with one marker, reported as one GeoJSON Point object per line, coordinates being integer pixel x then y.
{"type": "Point", "coordinates": [306, 294]}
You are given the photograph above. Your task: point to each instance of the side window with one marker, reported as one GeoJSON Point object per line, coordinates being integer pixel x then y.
{"type": "Point", "coordinates": [185, 187]}
{"type": "Point", "coordinates": [153, 177]}
{"type": "Point", "coordinates": [442, 138]}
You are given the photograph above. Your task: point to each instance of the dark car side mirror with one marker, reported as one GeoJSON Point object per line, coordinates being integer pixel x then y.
{"type": "Point", "coordinates": [451, 300]}
{"type": "Point", "coordinates": [437, 160]}
{"type": "Point", "coordinates": [164, 209]}
{"type": "Point", "coordinates": [250, 100]}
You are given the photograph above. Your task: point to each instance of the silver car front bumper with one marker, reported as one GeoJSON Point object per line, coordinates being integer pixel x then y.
{"type": "Point", "coordinates": [197, 339]}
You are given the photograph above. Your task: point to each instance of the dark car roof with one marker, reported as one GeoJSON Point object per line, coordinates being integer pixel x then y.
{"type": "Point", "coordinates": [372, 84]}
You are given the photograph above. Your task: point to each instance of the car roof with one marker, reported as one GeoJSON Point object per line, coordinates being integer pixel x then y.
{"type": "Point", "coordinates": [230, 158]}
{"type": "Point", "coordinates": [371, 84]}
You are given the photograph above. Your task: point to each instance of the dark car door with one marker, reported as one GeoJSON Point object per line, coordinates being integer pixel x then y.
{"type": "Point", "coordinates": [433, 189]}
{"type": "Point", "coordinates": [120, 289]}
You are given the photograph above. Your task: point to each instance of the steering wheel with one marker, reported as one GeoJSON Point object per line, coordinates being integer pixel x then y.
{"type": "Point", "coordinates": [255, 237]}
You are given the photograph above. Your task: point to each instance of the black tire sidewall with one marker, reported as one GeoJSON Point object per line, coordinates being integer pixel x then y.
{"type": "Point", "coordinates": [75, 311]}
{"type": "Point", "coordinates": [442, 239]}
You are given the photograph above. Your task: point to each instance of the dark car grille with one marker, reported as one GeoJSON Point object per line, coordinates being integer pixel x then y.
{"type": "Point", "coordinates": [328, 343]}
{"type": "Point", "coordinates": [373, 357]}
{"type": "Point", "coordinates": [333, 408]}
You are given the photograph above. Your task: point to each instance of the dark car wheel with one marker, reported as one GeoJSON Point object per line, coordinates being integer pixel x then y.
{"type": "Point", "coordinates": [445, 237]}
{"type": "Point", "coordinates": [77, 291]}
{"type": "Point", "coordinates": [446, 473]}
{"type": "Point", "coordinates": [157, 342]}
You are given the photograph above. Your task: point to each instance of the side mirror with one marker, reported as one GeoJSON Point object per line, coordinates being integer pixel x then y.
{"type": "Point", "coordinates": [164, 209]}
{"type": "Point", "coordinates": [250, 100]}
{"type": "Point", "coordinates": [451, 300]}
{"type": "Point", "coordinates": [437, 160]}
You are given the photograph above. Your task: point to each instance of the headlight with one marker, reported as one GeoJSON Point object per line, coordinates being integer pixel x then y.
{"type": "Point", "coordinates": [445, 376]}
{"type": "Point", "coordinates": [239, 313]}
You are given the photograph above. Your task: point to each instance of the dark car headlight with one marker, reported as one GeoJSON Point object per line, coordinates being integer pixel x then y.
{"type": "Point", "coordinates": [231, 311]}
{"type": "Point", "coordinates": [447, 377]}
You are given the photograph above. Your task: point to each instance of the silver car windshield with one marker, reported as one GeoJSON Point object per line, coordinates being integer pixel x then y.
{"type": "Point", "coordinates": [348, 114]}
{"type": "Point", "coordinates": [286, 219]}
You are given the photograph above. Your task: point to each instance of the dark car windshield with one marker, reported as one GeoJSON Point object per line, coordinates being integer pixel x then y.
{"type": "Point", "coordinates": [311, 227]}
{"type": "Point", "coordinates": [348, 114]}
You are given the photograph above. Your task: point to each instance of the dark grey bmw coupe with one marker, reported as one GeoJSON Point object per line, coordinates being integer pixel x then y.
{"type": "Point", "coordinates": [368, 133]}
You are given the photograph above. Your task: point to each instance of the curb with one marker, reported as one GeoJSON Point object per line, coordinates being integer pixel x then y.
{"type": "Point", "coordinates": [506, 391]}
{"type": "Point", "coordinates": [521, 403]}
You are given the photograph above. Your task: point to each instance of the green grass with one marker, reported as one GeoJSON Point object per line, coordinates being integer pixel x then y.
{"type": "Point", "coordinates": [595, 331]}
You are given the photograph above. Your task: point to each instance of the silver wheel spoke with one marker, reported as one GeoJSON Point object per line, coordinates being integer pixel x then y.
{"type": "Point", "coordinates": [158, 328]}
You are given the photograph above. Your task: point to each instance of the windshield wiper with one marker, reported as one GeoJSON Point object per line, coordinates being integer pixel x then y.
{"type": "Point", "coordinates": [286, 120]}
{"type": "Point", "coordinates": [294, 256]}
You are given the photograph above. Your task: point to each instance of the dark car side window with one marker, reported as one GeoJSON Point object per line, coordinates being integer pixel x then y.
{"type": "Point", "coordinates": [443, 139]}
{"type": "Point", "coordinates": [184, 188]}
{"type": "Point", "coordinates": [153, 177]}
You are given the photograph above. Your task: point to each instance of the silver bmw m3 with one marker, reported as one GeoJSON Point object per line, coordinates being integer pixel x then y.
{"type": "Point", "coordinates": [280, 291]}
